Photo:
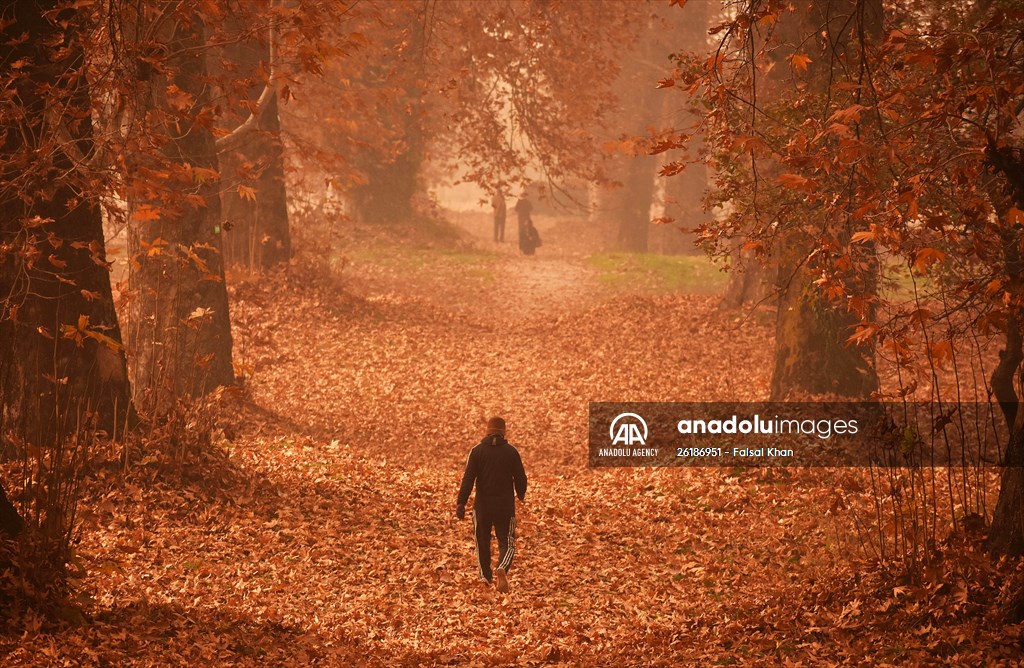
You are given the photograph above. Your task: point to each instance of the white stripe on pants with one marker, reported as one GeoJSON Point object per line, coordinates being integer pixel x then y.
{"type": "Point", "coordinates": [476, 544]}
{"type": "Point", "coordinates": [506, 562]}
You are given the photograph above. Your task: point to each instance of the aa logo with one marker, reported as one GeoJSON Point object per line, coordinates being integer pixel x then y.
{"type": "Point", "coordinates": [628, 429]}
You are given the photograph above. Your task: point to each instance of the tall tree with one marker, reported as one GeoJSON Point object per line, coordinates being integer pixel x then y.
{"type": "Point", "coordinates": [916, 149]}
{"type": "Point", "coordinates": [62, 364]}
{"type": "Point", "coordinates": [644, 112]}
{"type": "Point", "coordinates": [179, 334]}
{"type": "Point", "coordinates": [62, 367]}
{"type": "Point", "coordinates": [626, 203]}
{"type": "Point", "coordinates": [392, 179]}
{"type": "Point", "coordinates": [254, 200]}
{"type": "Point", "coordinates": [684, 193]}
{"type": "Point", "coordinates": [479, 90]}
{"type": "Point", "coordinates": [1007, 160]}
{"type": "Point", "coordinates": [813, 353]}
{"type": "Point", "coordinates": [771, 75]}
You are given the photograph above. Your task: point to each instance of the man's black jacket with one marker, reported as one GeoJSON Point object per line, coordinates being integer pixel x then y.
{"type": "Point", "coordinates": [497, 469]}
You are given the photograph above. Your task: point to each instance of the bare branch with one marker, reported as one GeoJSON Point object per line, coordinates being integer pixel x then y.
{"type": "Point", "coordinates": [232, 140]}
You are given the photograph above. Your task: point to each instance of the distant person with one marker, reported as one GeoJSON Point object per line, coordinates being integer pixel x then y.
{"type": "Point", "coordinates": [496, 469]}
{"type": "Point", "coordinates": [529, 237]}
{"type": "Point", "coordinates": [499, 217]}
{"type": "Point", "coordinates": [523, 210]}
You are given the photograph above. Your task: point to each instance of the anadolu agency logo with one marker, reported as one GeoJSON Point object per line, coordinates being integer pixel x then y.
{"type": "Point", "coordinates": [625, 430]}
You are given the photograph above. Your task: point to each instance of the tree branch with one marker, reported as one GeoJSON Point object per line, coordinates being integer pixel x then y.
{"type": "Point", "coordinates": [235, 137]}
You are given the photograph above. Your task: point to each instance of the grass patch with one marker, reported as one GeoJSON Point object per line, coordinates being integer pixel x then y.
{"type": "Point", "coordinates": [659, 273]}
{"type": "Point", "coordinates": [410, 257]}
{"type": "Point", "coordinates": [898, 285]}
{"type": "Point", "coordinates": [415, 264]}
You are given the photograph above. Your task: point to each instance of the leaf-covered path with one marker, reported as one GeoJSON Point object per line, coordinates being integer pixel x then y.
{"type": "Point", "coordinates": [318, 529]}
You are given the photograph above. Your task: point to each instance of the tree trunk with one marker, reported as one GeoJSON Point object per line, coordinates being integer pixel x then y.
{"type": "Point", "coordinates": [179, 327]}
{"type": "Point", "coordinates": [387, 196]}
{"type": "Point", "coordinates": [632, 204]}
{"type": "Point", "coordinates": [393, 181]}
{"type": "Point", "coordinates": [684, 192]}
{"type": "Point", "coordinates": [1007, 533]}
{"type": "Point", "coordinates": [256, 234]}
{"type": "Point", "coordinates": [811, 351]}
{"type": "Point", "coordinates": [750, 281]}
{"type": "Point", "coordinates": [62, 367]}
{"type": "Point", "coordinates": [625, 209]}
{"type": "Point", "coordinates": [11, 523]}
{"type": "Point", "coordinates": [811, 355]}
{"type": "Point", "coordinates": [684, 196]}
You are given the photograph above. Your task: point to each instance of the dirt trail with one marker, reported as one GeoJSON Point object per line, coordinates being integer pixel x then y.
{"type": "Point", "coordinates": [552, 282]}
{"type": "Point", "coordinates": [543, 287]}
{"type": "Point", "coordinates": [477, 280]}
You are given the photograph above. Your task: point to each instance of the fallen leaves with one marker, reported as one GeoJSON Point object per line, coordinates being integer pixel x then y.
{"type": "Point", "coordinates": [314, 526]}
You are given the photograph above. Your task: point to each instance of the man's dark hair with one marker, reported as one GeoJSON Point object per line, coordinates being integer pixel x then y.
{"type": "Point", "coordinates": [496, 425]}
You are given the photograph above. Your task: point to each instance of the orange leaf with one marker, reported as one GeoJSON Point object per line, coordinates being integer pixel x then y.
{"type": "Point", "coordinates": [994, 286]}
{"type": "Point", "coordinates": [864, 333]}
{"type": "Point", "coordinates": [848, 115]}
{"type": "Point", "coordinates": [715, 61]}
{"type": "Point", "coordinates": [941, 352]}
{"type": "Point", "coordinates": [912, 209]}
{"type": "Point", "coordinates": [104, 339]}
{"type": "Point", "coordinates": [925, 258]}
{"type": "Point", "coordinates": [800, 61]}
{"type": "Point", "coordinates": [795, 182]}
{"type": "Point", "coordinates": [247, 193]}
{"type": "Point", "coordinates": [146, 212]}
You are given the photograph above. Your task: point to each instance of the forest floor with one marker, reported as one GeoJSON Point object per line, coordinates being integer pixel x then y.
{"type": "Point", "coordinates": [308, 518]}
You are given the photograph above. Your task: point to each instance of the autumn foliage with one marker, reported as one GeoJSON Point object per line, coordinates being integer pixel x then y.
{"type": "Point", "coordinates": [244, 347]}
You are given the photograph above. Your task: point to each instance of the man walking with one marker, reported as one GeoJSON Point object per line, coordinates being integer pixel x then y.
{"type": "Point", "coordinates": [498, 202]}
{"type": "Point", "coordinates": [496, 469]}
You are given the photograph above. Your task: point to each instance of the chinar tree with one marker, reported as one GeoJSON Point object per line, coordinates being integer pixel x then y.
{"type": "Point", "coordinates": [63, 378]}
{"type": "Point", "coordinates": [254, 199]}
{"type": "Point", "coordinates": [914, 144]}
{"type": "Point", "coordinates": [767, 91]}
{"type": "Point", "coordinates": [480, 91]}
{"type": "Point", "coordinates": [179, 334]}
